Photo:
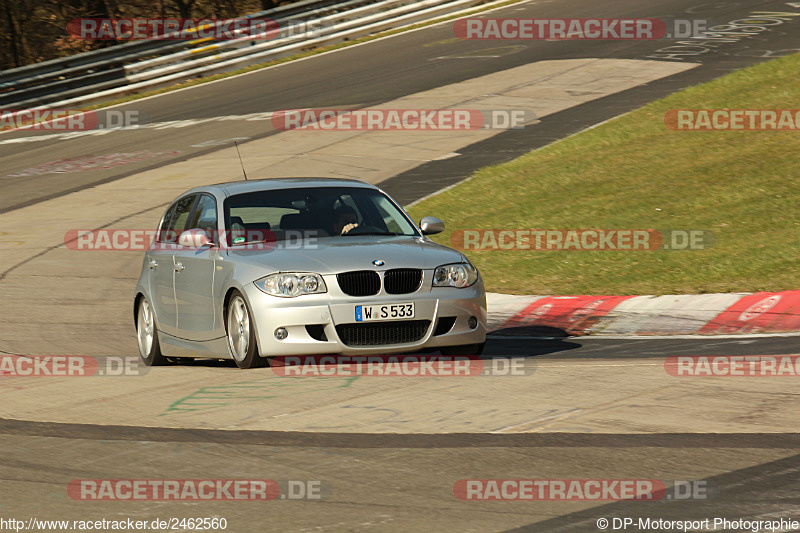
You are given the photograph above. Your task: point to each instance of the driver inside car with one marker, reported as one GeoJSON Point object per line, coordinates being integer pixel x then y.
{"type": "Point", "coordinates": [345, 220]}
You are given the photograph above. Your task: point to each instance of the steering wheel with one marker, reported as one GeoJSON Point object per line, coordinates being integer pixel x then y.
{"type": "Point", "coordinates": [358, 230]}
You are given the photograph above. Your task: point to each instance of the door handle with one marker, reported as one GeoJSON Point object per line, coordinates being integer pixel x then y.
{"type": "Point", "coordinates": [178, 267]}
{"type": "Point", "coordinates": [152, 264]}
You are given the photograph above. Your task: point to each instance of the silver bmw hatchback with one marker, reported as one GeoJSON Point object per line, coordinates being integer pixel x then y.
{"type": "Point", "coordinates": [252, 269]}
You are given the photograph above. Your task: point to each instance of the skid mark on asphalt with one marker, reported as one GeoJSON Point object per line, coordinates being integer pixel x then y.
{"type": "Point", "coordinates": [551, 415]}
{"type": "Point", "coordinates": [540, 424]}
{"type": "Point", "coordinates": [3, 275]}
{"type": "Point", "coordinates": [485, 53]}
{"type": "Point", "coordinates": [376, 414]}
{"type": "Point", "coordinates": [6, 387]}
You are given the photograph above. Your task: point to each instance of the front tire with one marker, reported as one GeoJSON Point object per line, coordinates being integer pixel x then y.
{"type": "Point", "coordinates": [464, 349]}
{"type": "Point", "coordinates": [241, 334]}
{"type": "Point", "coordinates": [147, 335]}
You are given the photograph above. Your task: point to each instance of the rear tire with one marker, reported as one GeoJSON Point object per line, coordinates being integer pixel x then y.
{"type": "Point", "coordinates": [147, 335]}
{"type": "Point", "coordinates": [464, 349]}
{"type": "Point", "coordinates": [241, 334]}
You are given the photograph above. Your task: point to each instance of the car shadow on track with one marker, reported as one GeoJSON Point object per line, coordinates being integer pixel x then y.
{"type": "Point", "coordinates": [517, 347]}
{"type": "Point", "coordinates": [496, 346]}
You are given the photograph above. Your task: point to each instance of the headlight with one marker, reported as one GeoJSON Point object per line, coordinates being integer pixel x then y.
{"type": "Point", "coordinates": [458, 275]}
{"type": "Point", "coordinates": [291, 284]}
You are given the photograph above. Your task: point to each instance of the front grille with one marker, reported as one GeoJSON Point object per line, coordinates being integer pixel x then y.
{"type": "Point", "coordinates": [402, 280]}
{"type": "Point", "coordinates": [385, 333]}
{"type": "Point", "coordinates": [359, 283]}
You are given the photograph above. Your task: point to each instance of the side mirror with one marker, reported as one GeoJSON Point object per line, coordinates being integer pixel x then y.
{"type": "Point", "coordinates": [195, 238]}
{"type": "Point", "coordinates": [431, 225]}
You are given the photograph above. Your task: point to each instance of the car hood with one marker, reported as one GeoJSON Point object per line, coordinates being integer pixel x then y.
{"type": "Point", "coordinates": [332, 256]}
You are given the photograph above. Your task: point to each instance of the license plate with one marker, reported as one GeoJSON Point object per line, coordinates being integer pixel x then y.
{"type": "Point", "coordinates": [368, 313]}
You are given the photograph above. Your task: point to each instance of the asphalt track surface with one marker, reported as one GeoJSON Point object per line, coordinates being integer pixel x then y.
{"type": "Point", "coordinates": [392, 482]}
{"type": "Point", "coordinates": [405, 482]}
{"type": "Point", "coordinates": [381, 71]}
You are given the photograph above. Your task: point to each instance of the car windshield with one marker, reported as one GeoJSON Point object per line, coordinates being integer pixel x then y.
{"type": "Point", "coordinates": [336, 212]}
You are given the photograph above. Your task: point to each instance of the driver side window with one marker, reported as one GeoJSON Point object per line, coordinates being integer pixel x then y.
{"type": "Point", "coordinates": [175, 220]}
{"type": "Point", "coordinates": [205, 217]}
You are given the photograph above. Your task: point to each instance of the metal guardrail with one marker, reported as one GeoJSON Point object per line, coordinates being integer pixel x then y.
{"type": "Point", "coordinates": [53, 65]}
{"type": "Point", "coordinates": [32, 84]}
{"type": "Point", "coordinates": [127, 68]}
{"type": "Point", "coordinates": [98, 70]}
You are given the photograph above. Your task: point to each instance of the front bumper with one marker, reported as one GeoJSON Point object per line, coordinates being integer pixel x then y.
{"type": "Point", "coordinates": [324, 312]}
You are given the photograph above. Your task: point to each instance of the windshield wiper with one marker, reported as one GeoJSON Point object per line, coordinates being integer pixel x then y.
{"type": "Point", "coordinates": [362, 233]}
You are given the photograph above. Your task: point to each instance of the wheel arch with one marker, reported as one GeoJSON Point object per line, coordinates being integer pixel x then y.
{"type": "Point", "coordinates": [136, 300]}
{"type": "Point", "coordinates": [140, 295]}
{"type": "Point", "coordinates": [229, 292]}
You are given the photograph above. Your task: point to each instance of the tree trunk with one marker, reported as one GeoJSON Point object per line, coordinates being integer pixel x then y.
{"type": "Point", "coordinates": [269, 4]}
{"type": "Point", "coordinates": [13, 34]}
{"type": "Point", "coordinates": [184, 8]}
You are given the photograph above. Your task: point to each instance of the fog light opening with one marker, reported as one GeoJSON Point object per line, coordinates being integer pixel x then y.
{"type": "Point", "coordinates": [281, 333]}
{"type": "Point", "coordinates": [472, 322]}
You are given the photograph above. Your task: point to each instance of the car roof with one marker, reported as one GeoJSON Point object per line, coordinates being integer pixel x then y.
{"type": "Point", "coordinates": [253, 185]}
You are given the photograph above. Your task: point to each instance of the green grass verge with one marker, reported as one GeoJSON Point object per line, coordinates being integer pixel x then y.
{"type": "Point", "coordinates": [635, 173]}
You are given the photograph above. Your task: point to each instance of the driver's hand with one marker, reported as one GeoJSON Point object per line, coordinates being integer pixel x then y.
{"type": "Point", "coordinates": [349, 227]}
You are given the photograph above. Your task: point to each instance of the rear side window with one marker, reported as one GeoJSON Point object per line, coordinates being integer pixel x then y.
{"type": "Point", "coordinates": [175, 220]}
